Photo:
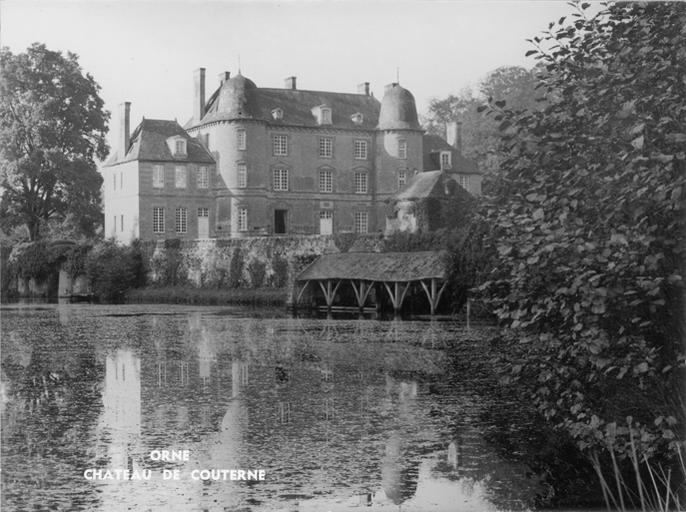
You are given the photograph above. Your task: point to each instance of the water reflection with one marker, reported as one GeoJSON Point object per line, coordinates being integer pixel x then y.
{"type": "Point", "coordinates": [340, 413]}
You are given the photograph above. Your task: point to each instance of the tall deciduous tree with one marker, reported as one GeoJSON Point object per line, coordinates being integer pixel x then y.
{"type": "Point", "coordinates": [588, 221]}
{"type": "Point", "coordinates": [52, 128]}
{"type": "Point", "coordinates": [512, 84]}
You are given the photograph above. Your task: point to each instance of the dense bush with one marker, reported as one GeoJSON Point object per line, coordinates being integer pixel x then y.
{"type": "Point", "coordinates": [280, 267]}
{"type": "Point", "coordinates": [112, 270]}
{"type": "Point", "coordinates": [587, 221]}
{"type": "Point", "coordinates": [257, 271]}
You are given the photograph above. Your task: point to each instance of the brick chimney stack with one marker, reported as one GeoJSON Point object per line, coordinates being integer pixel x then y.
{"type": "Point", "coordinates": [124, 127]}
{"type": "Point", "coordinates": [290, 83]}
{"type": "Point", "coordinates": [199, 94]}
{"type": "Point", "coordinates": [363, 88]}
{"type": "Point", "coordinates": [223, 77]}
{"type": "Point", "coordinates": [453, 134]}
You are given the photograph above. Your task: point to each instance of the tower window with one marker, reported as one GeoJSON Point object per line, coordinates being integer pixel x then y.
{"type": "Point", "coordinates": [402, 178]}
{"type": "Point", "coordinates": [402, 149]}
{"type": "Point", "coordinates": [242, 219]}
{"type": "Point", "coordinates": [241, 139]}
{"type": "Point", "coordinates": [242, 172]}
{"type": "Point", "coordinates": [326, 116]}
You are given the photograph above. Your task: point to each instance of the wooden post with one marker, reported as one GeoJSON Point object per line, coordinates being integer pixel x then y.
{"type": "Point", "coordinates": [434, 294]}
{"type": "Point", "coordinates": [397, 295]}
{"type": "Point", "coordinates": [361, 293]}
{"type": "Point", "coordinates": [329, 292]}
{"type": "Point", "coordinates": [300, 293]}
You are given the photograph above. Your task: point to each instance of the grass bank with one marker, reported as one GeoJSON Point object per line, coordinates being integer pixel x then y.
{"type": "Point", "coordinates": [210, 296]}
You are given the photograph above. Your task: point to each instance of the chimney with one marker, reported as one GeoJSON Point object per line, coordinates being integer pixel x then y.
{"type": "Point", "coordinates": [223, 77]}
{"type": "Point", "coordinates": [363, 88]}
{"type": "Point", "coordinates": [290, 83]}
{"type": "Point", "coordinates": [124, 127]}
{"type": "Point", "coordinates": [453, 134]}
{"type": "Point", "coordinates": [199, 96]}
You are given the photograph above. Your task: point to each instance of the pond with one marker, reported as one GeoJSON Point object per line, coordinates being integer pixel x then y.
{"type": "Point", "coordinates": [337, 413]}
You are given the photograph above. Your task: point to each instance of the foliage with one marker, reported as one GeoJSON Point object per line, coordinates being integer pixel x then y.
{"type": "Point", "coordinates": [52, 128]}
{"type": "Point", "coordinates": [512, 84]}
{"type": "Point", "coordinates": [112, 270]}
{"type": "Point", "coordinates": [587, 220]}
{"type": "Point", "coordinates": [236, 268]}
{"type": "Point", "coordinates": [37, 260]}
{"type": "Point", "coordinates": [75, 263]}
{"type": "Point", "coordinates": [257, 271]}
{"type": "Point", "coordinates": [280, 268]}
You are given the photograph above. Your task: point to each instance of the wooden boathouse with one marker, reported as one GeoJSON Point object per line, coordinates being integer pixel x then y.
{"type": "Point", "coordinates": [394, 272]}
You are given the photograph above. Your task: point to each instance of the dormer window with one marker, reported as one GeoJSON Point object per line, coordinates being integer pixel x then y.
{"type": "Point", "coordinates": [446, 160]}
{"type": "Point", "coordinates": [177, 146]}
{"type": "Point", "coordinates": [326, 116]}
{"type": "Point", "coordinates": [277, 114]}
{"type": "Point", "coordinates": [357, 118]}
{"type": "Point", "coordinates": [323, 114]}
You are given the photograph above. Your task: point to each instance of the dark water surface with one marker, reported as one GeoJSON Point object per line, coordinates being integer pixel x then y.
{"type": "Point", "coordinates": [341, 414]}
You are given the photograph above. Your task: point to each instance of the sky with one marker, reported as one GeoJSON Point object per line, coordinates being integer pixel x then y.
{"type": "Point", "coordinates": [145, 52]}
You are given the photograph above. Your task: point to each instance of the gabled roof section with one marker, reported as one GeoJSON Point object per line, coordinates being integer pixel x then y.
{"type": "Point", "coordinates": [297, 108]}
{"type": "Point", "coordinates": [375, 266]}
{"type": "Point", "coordinates": [433, 145]}
{"type": "Point", "coordinates": [423, 185]}
{"type": "Point", "coordinates": [149, 142]}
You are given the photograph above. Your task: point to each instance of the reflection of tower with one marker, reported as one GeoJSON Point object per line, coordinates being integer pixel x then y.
{"type": "Point", "coordinates": [399, 474]}
{"type": "Point", "coordinates": [239, 376]}
{"type": "Point", "coordinates": [206, 356]}
{"type": "Point", "coordinates": [121, 398]}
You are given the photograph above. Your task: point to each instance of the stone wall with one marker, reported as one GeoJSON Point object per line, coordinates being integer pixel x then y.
{"type": "Point", "coordinates": [271, 262]}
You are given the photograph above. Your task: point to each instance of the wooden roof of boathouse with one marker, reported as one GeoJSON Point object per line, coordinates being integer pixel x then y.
{"type": "Point", "coordinates": [376, 266]}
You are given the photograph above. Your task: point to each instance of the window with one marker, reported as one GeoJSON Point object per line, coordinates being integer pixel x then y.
{"type": "Point", "coordinates": [326, 116]}
{"type": "Point", "coordinates": [242, 219]}
{"type": "Point", "coordinates": [121, 223]}
{"type": "Point", "coordinates": [280, 180]}
{"type": "Point", "coordinates": [402, 179]}
{"type": "Point", "coordinates": [114, 182]}
{"type": "Point", "coordinates": [242, 173]}
{"type": "Point", "coordinates": [158, 176]}
{"type": "Point", "coordinates": [361, 222]}
{"type": "Point", "coordinates": [360, 149]}
{"type": "Point", "coordinates": [357, 118]}
{"type": "Point", "coordinates": [114, 225]}
{"type": "Point", "coordinates": [240, 134]}
{"type": "Point", "coordinates": [180, 147]}
{"type": "Point", "coordinates": [202, 178]}
{"type": "Point", "coordinates": [158, 219]}
{"type": "Point", "coordinates": [203, 212]}
{"type": "Point", "coordinates": [326, 181]}
{"type": "Point", "coordinates": [121, 180]}
{"type": "Point", "coordinates": [325, 222]}
{"type": "Point", "coordinates": [360, 182]}
{"type": "Point", "coordinates": [277, 114]}
{"type": "Point", "coordinates": [326, 147]}
{"type": "Point", "coordinates": [181, 219]}
{"type": "Point", "coordinates": [402, 149]}
{"type": "Point", "coordinates": [180, 177]}
{"type": "Point", "coordinates": [464, 182]}
{"type": "Point", "coordinates": [280, 145]}
{"type": "Point", "coordinates": [445, 160]}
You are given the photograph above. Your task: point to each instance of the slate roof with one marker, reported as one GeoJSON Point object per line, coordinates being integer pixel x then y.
{"type": "Point", "coordinates": [297, 107]}
{"type": "Point", "coordinates": [433, 145]}
{"type": "Point", "coordinates": [374, 266]}
{"type": "Point", "coordinates": [149, 142]}
{"type": "Point", "coordinates": [422, 185]}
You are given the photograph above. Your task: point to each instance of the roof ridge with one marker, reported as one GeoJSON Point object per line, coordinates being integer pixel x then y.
{"type": "Point", "coordinates": [314, 90]}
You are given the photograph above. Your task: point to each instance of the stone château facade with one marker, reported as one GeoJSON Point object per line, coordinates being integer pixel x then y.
{"type": "Point", "coordinates": [256, 161]}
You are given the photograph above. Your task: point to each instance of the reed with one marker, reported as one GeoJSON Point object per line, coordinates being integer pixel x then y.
{"type": "Point", "coordinates": [655, 489]}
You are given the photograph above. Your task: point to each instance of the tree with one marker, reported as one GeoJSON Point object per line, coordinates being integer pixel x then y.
{"type": "Point", "coordinates": [52, 127]}
{"type": "Point", "coordinates": [588, 222]}
{"type": "Point", "coordinates": [512, 84]}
